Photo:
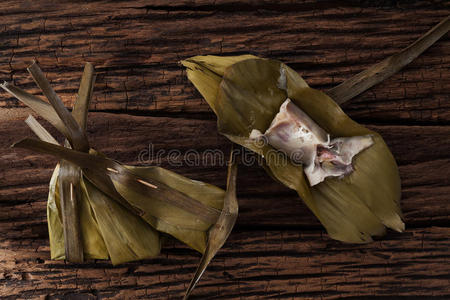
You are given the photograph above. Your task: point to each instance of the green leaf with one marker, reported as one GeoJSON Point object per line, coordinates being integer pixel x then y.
{"type": "Point", "coordinates": [352, 209]}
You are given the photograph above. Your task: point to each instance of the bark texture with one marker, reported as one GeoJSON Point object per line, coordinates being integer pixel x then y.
{"type": "Point", "coordinates": [143, 105]}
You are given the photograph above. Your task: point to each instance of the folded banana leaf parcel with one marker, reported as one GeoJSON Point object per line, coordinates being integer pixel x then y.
{"type": "Point", "coordinates": [343, 171]}
{"type": "Point", "coordinates": [99, 208]}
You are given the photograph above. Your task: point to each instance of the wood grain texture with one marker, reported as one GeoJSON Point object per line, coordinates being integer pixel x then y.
{"type": "Point", "coordinates": [142, 99]}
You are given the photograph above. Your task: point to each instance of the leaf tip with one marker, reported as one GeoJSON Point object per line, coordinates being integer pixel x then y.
{"type": "Point", "coordinates": [89, 66]}
{"type": "Point", "coordinates": [15, 145]}
{"type": "Point", "coordinates": [32, 64]}
{"type": "Point", "coordinates": [4, 85]}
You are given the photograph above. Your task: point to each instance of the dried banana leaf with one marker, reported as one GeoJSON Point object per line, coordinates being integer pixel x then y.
{"type": "Point", "coordinates": [107, 228]}
{"type": "Point", "coordinates": [121, 208]}
{"type": "Point", "coordinates": [70, 193]}
{"type": "Point", "coordinates": [93, 244]}
{"type": "Point", "coordinates": [248, 96]}
{"type": "Point", "coordinates": [210, 72]}
{"type": "Point", "coordinates": [184, 226]}
{"type": "Point", "coordinates": [170, 203]}
{"type": "Point", "coordinates": [127, 236]}
{"type": "Point", "coordinates": [170, 207]}
{"type": "Point", "coordinates": [54, 219]}
{"type": "Point", "coordinates": [389, 66]}
{"type": "Point", "coordinates": [70, 177]}
{"type": "Point", "coordinates": [76, 136]}
{"type": "Point", "coordinates": [41, 107]}
{"type": "Point", "coordinates": [219, 232]}
{"type": "Point", "coordinates": [90, 240]}
{"type": "Point", "coordinates": [39, 130]}
{"type": "Point", "coordinates": [84, 96]}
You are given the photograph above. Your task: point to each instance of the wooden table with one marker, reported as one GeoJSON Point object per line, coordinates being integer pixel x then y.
{"type": "Point", "coordinates": [142, 97]}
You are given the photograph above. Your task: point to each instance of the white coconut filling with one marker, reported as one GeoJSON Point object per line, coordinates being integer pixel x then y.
{"type": "Point", "coordinates": [296, 134]}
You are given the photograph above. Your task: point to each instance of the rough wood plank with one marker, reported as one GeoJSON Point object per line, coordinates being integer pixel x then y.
{"type": "Point", "coordinates": [278, 249]}
{"type": "Point", "coordinates": [136, 47]}
{"type": "Point", "coordinates": [258, 264]}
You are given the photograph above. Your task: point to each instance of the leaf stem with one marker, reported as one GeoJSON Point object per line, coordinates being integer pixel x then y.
{"type": "Point", "coordinates": [375, 74]}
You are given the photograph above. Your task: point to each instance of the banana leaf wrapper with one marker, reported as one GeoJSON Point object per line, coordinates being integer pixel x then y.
{"type": "Point", "coordinates": [110, 229]}
{"type": "Point", "coordinates": [122, 209]}
{"type": "Point", "coordinates": [245, 92]}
